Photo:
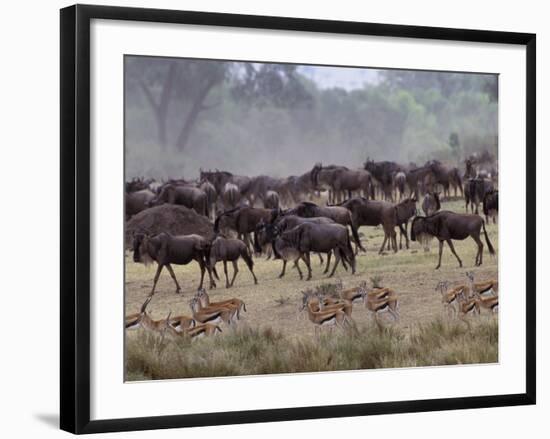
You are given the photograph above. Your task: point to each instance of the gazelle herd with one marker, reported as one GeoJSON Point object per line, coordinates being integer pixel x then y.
{"type": "Point", "coordinates": [323, 308]}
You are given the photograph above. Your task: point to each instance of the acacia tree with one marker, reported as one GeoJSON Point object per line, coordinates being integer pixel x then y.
{"type": "Point", "coordinates": [178, 91]}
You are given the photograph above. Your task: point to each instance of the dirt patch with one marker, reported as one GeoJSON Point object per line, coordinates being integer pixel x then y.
{"type": "Point", "coordinates": [176, 220]}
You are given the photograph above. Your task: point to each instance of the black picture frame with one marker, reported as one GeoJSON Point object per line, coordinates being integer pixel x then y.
{"type": "Point", "coordinates": [75, 217]}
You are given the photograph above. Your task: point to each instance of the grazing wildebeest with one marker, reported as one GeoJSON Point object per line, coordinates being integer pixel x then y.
{"type": "Point", "coordinates": [271, 200]}
{"type": "Point", "coordinates": [135, 202]}
{"type": "Point", "coordinates": [373, 213]}
{"type": "Point", "coordinates": [230, 196]}
{"type": "Point", "coordinates": [211, 196]}
{"type": "Point", "coordinates": [400, 180]}
{"type": "Point", "coordinates": [490, 205]}
{"type": "Point", "coordinates": [339, 214]}
{"type": "Point", "coordinates": [446, 226]}
{"type": "Point", "coordinates": [474, 192]}
{"type": "Point", "coordinates": [245, 219]}
{"type": "Point", "coordinates": [188, 196]}
{"type": "Point", "coordinates": [446, 177]}
{"type": "Point", "coordinates": [166, 249]}
{"type": "Point", "coordinates": [321, 238]}
{"type": "Point", "coordinates": [383, 172]}
{"type": "Point", "coordinates": [227, 249]}
{"type": "Point", "coordinates": [405, 210]}
{"type": "Point", "coordinates": [323, 178]}
{"type": "Point", "coordinates": [431, 203]}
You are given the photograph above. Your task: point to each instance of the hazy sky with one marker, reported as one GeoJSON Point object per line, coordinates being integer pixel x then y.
{"type": "Point", "coordinates": [346, 78]}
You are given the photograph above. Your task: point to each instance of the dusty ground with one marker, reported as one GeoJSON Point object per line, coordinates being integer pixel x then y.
{"type": "Point", "coordinates": [410, 272]}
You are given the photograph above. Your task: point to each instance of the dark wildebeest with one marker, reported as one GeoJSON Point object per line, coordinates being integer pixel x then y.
{"type": "Point", "coordinates": [446, 177]}
{"type": "Point", "coordinates": [135, 202]}
{"type": "Point", "coordinates": [431, 203]}
{"type": "Point", "coordinates": [400, 180]}
{"type": "Point", "coordinates": [245, 219]}
{"type": "Point", "coordinates": [211, 196]}
{"type": "Point", "coordinates": [338, 214]}
{"type": "Point", "coordinates": [188, 196]}
{"type": "Point", "coordinates": [271, 200]}
{"type": "Point", "coordinates": [262, 185]}
{"type": "Point", "coordinates": [341, 180]}
{"type": "Point", "coordinates": [136, 184]}
{"type": "Point", "coordinates": [321, 238]}
{"type": "Point", "coordinates": [287, 222]}
{"type": "Point", "coordinates": [265, 234]}
{"type": "Point", "coordinates": [227, 249]}
{"type": "Point", "coordinates": [474, 192]}
{"type": "Point", "coordinates": [166, 249]}
{"type": "Point", "coordinates": [446, 226]}
{"type": "Point", "coordinates": [230, 196]}
{"type": "Point", "coordinates": [383, 172]}
{"type": "Point", "coordinates": [373, 213]}
{"type": "Point", "coordinates": [415, 179]}
{"type": "Point", "coordinates": [220, 178]}
{"type": "Point", "coordinates": [490, 205]}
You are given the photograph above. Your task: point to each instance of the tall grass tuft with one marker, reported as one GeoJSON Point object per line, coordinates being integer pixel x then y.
{"type": "Point", "coordinates": [254, 351]}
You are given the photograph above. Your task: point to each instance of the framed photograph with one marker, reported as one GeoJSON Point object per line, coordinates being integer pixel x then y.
{"type": "Point", "coordinates": [268, 218]}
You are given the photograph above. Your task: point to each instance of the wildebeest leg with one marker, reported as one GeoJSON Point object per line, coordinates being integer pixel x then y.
{"type": "Point", "coordinates": [337, 258]}
{"type": "Point", "coordinates": [235, 271]}
{"type": "Point", "coordinates": [215, 271]}
{"type": "Point", "coordinates": [479, 257]}
{"type": "Point", "coordinates": [454, 253]}
{"type": "Point", "coordinates": [284, 268]}
{"type": "Point", "coordinates": [225, 271]}
{"type": "Point", "coordinates": [383, 242]}
{"type": "Point", "coordinates": [169, 268]}
{"type": "Point", "coordinates": [249, 264]}
{"type": "Point", "coordinates": [440, 253]}
{"type": "Point", "coordinates": [394, 240]}
{"type": "Point", "coordinates": [157, 274]}
{"type": "Point", "coordinates": [306, 259]}
{"type": "Point", "coordinates": [297, 266]}
{"type": "Point", "coordinates": [328, 263]}
{"type": "Point", "coordinates": [403, 231]}
{"type": "Point", "coordinates": [320, 258]}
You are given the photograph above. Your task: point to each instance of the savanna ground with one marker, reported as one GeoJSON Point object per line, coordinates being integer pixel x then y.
{"type": "Point", "coordinates": [274, 337]}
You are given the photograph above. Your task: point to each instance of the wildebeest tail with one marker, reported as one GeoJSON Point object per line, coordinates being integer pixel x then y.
{"type": "Point", "coordinates": [489, 245]}
{"type": "Point", "coordinates": [247, 258]}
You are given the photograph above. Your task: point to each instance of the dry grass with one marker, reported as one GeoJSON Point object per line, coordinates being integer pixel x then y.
{"type": "Point", "coordinates": [273, 305]}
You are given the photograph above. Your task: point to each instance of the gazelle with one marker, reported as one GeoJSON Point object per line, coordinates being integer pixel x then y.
{"type": "Point", "coordinates": [325, 305]}
{"type": "Point", "coordinates": [182, 323]}
{"type": "Point", "coordinates": [381, 300]}
{"type": "Point", "coordinates": [238, 304]}
{"type": "Point", "coordinates": [202, 330]}
{"type": "Point", "coordinates": [489, 286]}
{"type": "Point", "coordinates": [449, 298]}
{"type": "Point", "coordinates": [466, 305]}
{"type": "Point", "coordinates": [489, 303]}
{"type": "Point", "coordinates": [145, 321]}
{"type": "Point", "coordinates": [331, 318]}
{"type": "Point", "coordinates": [351, 294]}
{"type": "Point", "coordinates": [211, 315]}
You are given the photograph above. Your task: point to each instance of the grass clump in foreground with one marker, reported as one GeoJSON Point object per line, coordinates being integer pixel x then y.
{"type": "Point", "coordinates": [250, 351]}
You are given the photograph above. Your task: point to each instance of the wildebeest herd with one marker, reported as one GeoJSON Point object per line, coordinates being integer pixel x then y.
{"type": "Point", "coordinates": [278, 217]}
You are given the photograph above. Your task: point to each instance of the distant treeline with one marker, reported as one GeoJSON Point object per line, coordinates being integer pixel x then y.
{"type": "Point", "coordinates": [253, 119]}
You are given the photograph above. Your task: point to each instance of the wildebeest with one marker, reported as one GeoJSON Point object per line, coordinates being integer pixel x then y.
{"type": "Point", "coordinates": [271, 200]}
{"type": "Point", "coordinates": [446, 226]}
{"type": "Point", "coordinates": [211, 196]}
{"type": "Point", "coordinates": [220, 178]}
{"type": "Point", "coordinates": [321, 238]}
{"type": "Point", "coordinates": [341, 180]}
{"type": "Point", "coordinates": [166, 249]}
{"type": "Point", "coordinates": [245, 219]}
{"type": "Point", "coordinates": [227, 249]}
{"type": "Point", "coordinates": [446, 177]}
{"type": "Point", "coordinates": [415, 178]}
{"type": "Point", "coordinates": [265, 234]}
{"type": "Point", "coordinates": [383, 172]}
{"type": "Point", "coordinates": [135, 202]}
{"type": "Point", "coordinates": [373, 213]}
{"type": "Point", "coordinates": [339, 214]}
{"type": "Point", "coordinates": [230, 196]}
{"type": "Point", "coordinates": [400, 180]}
{"type": "Point", "coordinates": [490, 205]}
{"type": "Point", "coordinates": [474, 192]}
{"type": "Point", "coordinates": [431, 203]}
{"type": "Point", "coordinates": [188, 196]}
